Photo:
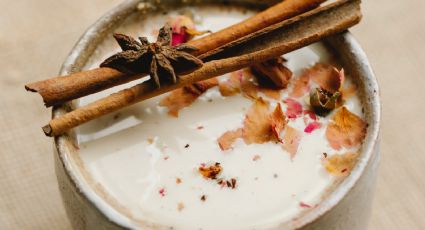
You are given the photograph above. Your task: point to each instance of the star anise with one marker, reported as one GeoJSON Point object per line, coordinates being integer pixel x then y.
{"type": "Point", "coordinates": [162, 61]}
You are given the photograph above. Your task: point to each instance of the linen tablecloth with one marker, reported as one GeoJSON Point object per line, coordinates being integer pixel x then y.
{"type": "Point", "coordinates": [36, 36]}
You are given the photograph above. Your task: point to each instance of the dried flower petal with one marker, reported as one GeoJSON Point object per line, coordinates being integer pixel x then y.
{"type": "Point", "coordinates": [304, 205]}
{"type": "Point", "coordinates": [177, 100]}
{"type": "Point", "coordinates": [294, 109]}
{"type": "Point", "coordinates": [239, 81]}
{"type": "Point", "coordinates": [226, 140]}
{"type": "Point", "coordinates": [210, 172]}
{"type": "Point", "coordinates": [347, 130]}
{"type": "Point", "coordinates": [248, 87]}
{"type": "Point", "coordinates": [272, 73]}
{"type": "Point", "coordinates": [312, 126]}
{"type": "Point", "coordinates": [232, 85]}
{"type": "Point", "coordinates": [278, 122]}
{"type": "Point", "coordinates": [180, 206]}
{"type": "Point", "coordinates": [300, 85]}
{"type": "Point", "coordinates": [327, 77]}
{"type": "Point", "coordinates": [184, 97]}
{"type": "Point", "coordinates": [349, 91]}
{"type": "Point", "coordinates": [271, 93]}
{"type": "Point", "coordinates": [257, 128]}
{"type": "Point", "coordinates": [291, 140]}
{"type": "Point", "coordinates": [310, 114]}
{"type": "Point", "coordinates": [162, 192]}
{"type": "Point", "coordinates": [340, 165]}
{"type": "Point", "coordinates": [183, 29]}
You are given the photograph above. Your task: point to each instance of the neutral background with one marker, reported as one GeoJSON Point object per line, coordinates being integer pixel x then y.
{"type": "Point", "coordinates": [35, 37]}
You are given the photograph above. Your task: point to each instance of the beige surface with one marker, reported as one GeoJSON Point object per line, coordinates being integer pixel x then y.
{"type": "Point", "coordinates": [35, 37]}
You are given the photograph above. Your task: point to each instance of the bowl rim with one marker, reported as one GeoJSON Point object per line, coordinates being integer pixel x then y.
{"type": "Point", "coordinates": [95, 34]}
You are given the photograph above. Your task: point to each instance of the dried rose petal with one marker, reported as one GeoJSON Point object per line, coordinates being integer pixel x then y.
{"type": "Point", "coordinates": [312, 126]}
{"type": "Point", "coordinates": [183, 29]}
{"type": "Point", "coordinates": [184, 97]}
{"type": "Point", "coordinates": [161, 192]}
{"type": "Point", "coordinates": [278, 122]}
{"type": "Point", "coordinates": [347, 130]}
{"type": "Point", "coordinates": [294, 108]}
{"type": "Point", "coordinates": [177, 100]}
{"type": "Point", "coordinates": [180, 206]}
{"type": "Point", "coordinates": [327, 77]}
{"type": "Point", "coordinates": [310, 114]}
{"type": "Point", "coordinates": [239, 81]}
{"type": "Point", "coordinates": [272, 73]}
{"type": "Point", "coordinates": [349, 91]}
{"type": "Point", "coordinates": [248, 87]}
{"type": "Point", "coordinates": [271, 93]}
{"type": "Point", "coordinates": [300, 85]}
{"type": "Point", "coordinates": [232, 85]}
{"type": "Point", "coordinates": [257, 128]}
{"type": "Point", "coordinates": [210, 172]}
{"type": "Point", "coordinates": [340, 165]}
{"type": "Point", "coordinates": [291, 140]}
{"type": "Point", "coordinates": [226, 140]}
{"type": "Point", "coordinates": [304, 205]}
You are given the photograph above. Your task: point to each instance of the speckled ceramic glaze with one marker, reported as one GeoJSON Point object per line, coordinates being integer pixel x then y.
{"type": "Point", "coordinates": [346, 207]}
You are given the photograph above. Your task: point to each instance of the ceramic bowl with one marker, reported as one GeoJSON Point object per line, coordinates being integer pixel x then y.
{"type": "Point", "coordinates": [346, 207]}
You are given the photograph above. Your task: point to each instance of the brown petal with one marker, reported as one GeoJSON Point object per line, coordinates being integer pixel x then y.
{"type": "Point", "coordinates": [248, 87]}
{"type": "Point", "coordinates": [327, 77]}
{"type": "Point", "coordinates": [300, 85]}
{"type": "Point", "coordinates": [257, 128]}
{"type": "Point", "coordinates": [291, 140]}
{"type": "Point", "coordinates": [232, 85]}
{"type": "Point", "coordinates": [271, 93]}
{"type": "Point", "coordinates": [347, 130]}
{"type": "Point", "coordinates": [278, 122]}
{"type": "Point", "coordinates": [349, 91]}
{"type": "Point", "coordinates": [340, 165]}
{"type": "Point", "coordinates": [272, 73]}
{"type": "Point", "coordinates": [228, 138]}
{"type": "Point", "coordinates": [177, 100]}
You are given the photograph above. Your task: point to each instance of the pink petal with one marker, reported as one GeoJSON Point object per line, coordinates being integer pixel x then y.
{"type": "Point", "coordinates": [294, 109]}
{"type": "Point", "coordinates": [312, 126]}
{"type": "Point", "coordinates": [179, 38]}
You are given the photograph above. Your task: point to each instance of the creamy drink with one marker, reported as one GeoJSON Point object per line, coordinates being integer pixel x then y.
{"type": "Point", "coordinates": [236, 155]}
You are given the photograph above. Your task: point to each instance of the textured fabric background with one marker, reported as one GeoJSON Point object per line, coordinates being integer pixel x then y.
{"type": "Point", "coordinates": [35, 37]}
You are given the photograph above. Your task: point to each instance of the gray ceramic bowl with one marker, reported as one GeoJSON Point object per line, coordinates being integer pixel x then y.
{"type": "Point", "coordinates": [347, 207]}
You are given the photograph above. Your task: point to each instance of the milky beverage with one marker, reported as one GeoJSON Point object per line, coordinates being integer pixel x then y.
{"type": "Point", "coordinates": [148, 161]}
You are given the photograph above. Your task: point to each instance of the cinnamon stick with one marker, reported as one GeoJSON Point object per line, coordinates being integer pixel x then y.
{"type": "Point", "coordinates": [279, 12]}
{"type": "Point", "coordinates": [60, 89]}
{"type": "Point", "coordinates": [312, 27]}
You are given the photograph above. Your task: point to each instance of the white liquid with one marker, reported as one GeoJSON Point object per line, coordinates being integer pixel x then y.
{"type": "Point", "coordinates": [119, 156]}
